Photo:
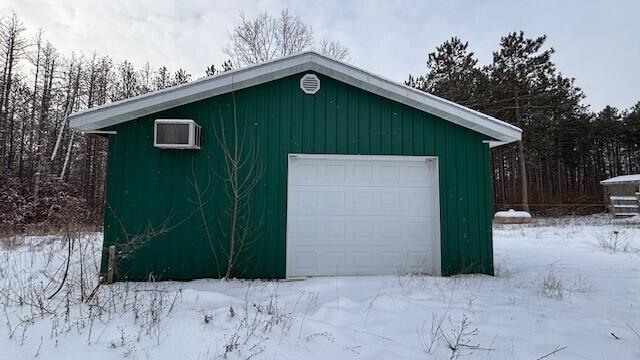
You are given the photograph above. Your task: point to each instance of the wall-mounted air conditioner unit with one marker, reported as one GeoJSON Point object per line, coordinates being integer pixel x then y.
{"type": "Point", "coordinates": [176, 134]}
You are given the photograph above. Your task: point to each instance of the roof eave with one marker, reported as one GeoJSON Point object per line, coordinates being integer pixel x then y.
{"type": "Point", "coordinates": [137, 106]}
{"type": "Point", "coordinates": [132, 108]}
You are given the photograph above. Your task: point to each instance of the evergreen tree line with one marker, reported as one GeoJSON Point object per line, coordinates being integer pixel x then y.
{"type": "Point", "coordinates": [566, 150]}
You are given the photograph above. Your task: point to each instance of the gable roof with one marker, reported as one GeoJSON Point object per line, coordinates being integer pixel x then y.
{"type": "Point", "coordinates": [128, 109]}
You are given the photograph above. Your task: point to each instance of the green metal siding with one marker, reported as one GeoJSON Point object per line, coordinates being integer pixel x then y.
{"type": "Point", "coordinates": [147, 186]}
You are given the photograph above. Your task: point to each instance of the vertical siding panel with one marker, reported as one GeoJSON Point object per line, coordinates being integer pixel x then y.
{"type": "Point", "coordinates": [307, 122]}
{"type": "Point", "coordinates": [285, 119]}
{"type": "Point", "coordinates": [330, 117]}
{"type": "Point", "coordinates": [271, 177]}
{"type": "Point", "coordinates": [429, 134]}
{"type": "Point", "coordinates": [261, 120]}
{"type": "Point", "coordinates": [352, 118]}
{"type": "Point", "coordinates": [439, 144]}
{"type": "Point", "coordinates": [386, 127]}
{"type": "Point", "coordinates": [418, 133]}
{"type": "Point", "coordinates": [275, 245]}
{"type": "Point", "coordinates": [374, 127]}
{"type": "Point", "coordinates": [252, 117]}
{"type": "Point", "coordinates": [453, 221]}
{"type": "Point", "coordinates": [320, 127]}
{"type": "Point", "coordinates": [296, 122]}
{"type": "Point", "coordinates": [363, 122]}
{"type": "Point", "coordinates": [406, 124]}
{"type": "Point", "coordinates": [342, 119]}
{"type": "Point", "coordinates": [462, 197]}
{"type": "Point", "coordinates": [396, 128]}
{"type": "Point", "coordinates": [473, 177]}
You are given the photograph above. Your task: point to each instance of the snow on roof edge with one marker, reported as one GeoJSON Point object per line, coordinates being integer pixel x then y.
{"type": "Point", "coordinates": [621, 179]}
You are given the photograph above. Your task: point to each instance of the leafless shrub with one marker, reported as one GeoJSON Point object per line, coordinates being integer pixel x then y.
{"type": "Point", "coordinates": [457, 335]}
{"type": "Point", "coordinates": [11, 242]}
{"type": "Point", "coordinates": [581, 284]}
{"type": "Point", "coordinates": [37, 269]}
{"type": "Point", "coordinates": [243, 171]}
{"type": "Point", "coordinates": [614, 241]}
{"type": "Point", "coordinates": [552, 286]}
{"type": "Point", "coordinates": [256, 320]}
{"type": "Point", "coordinates": [409, 279]}
{"type": "Point", "coordinates": [429, 340]}
{"type": "Point", "coordinates": [500, 270]}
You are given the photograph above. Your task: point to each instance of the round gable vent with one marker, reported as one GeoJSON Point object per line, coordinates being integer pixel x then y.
{"type": "Point", "coordinates": [310, 84]}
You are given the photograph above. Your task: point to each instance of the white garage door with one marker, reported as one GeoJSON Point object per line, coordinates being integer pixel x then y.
{"type": "Point", "coordinates": [362, 215]}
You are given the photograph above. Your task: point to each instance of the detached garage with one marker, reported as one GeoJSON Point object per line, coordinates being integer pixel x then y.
{"type": "Point", "coordinates": [339, 172]}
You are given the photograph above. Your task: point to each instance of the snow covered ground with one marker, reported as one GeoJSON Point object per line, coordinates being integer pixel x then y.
{"type": "Point", "coordinates": [570, 284]}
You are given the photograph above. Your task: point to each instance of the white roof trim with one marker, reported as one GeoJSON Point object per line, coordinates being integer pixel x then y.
{"type": "Point", "coordinates": [128, 109]}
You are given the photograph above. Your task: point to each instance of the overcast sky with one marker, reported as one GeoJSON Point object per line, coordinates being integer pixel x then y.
{"type": "Point", "coordinates": [597, 42]}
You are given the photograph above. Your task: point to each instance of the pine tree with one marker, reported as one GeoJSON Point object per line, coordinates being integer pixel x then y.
{"type": "Point", "coordinates": [452, 74]}
{"type": "Point", "coordinates": [519, 77]}
{"type": "Point", "coordinates": [180, 77]}
{"type": "Point", "coordinates": [212, 70]}
{"type": "Point", "coordinates": [162, 79]}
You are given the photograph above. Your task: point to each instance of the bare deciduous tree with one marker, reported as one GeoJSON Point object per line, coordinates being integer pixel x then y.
{"type": "Point", "coordinates": [12, 48]}
{"type": "Point", "coordinates": [242, 172]}
{"type": "Point", "coordinates": [266, 37]}
{"type": "Point", "coordinates": [333, 49]}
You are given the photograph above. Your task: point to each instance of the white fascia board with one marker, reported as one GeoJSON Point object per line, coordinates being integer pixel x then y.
{"type": "Point", "coordinates": [458, 114]}
{"type": "Point", "coordinates": [137, 106]}
{"type": "Point", "coordinates": [493, 143]}
{"type": "Point", "coordinates": [128, 109]}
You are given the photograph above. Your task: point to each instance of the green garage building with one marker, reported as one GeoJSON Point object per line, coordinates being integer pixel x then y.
{"type": "Point", "coordinates": [340, 172]}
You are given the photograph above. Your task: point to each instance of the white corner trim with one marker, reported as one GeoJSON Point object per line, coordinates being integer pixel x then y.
{"type": "Point", "coordinates": [135, 107]}
{"type": "Point", "coordinates": [437, 251]}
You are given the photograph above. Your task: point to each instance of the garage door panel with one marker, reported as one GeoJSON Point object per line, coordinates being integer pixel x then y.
{"type": "Point", "coordinates": [305, 201]}
{"type": "Point", "coordinates": [416, 260]}
{"type": "Point", "coordinates": [334, 172]}
{"type": "Point", "coordinates": [362, 173]}
{"type": "Point", "coordinates": [386, 174]}
{"type": "Point", "coordinates": [304, 260]}
{"type": "Point", "coordinates": [334, 231]}
{"type": "Point", "coordinates": [333, 259]}
{"type": "Point", "coordinates": [332, 200]}
{"type": "Point", "coordinates": [305, 171]}
{"type": "Point", "coordinates": [360, 216]}
{"type": "Point", "coordinates": [363, 201]}
{"type": "Point", "coordinates": [305, 232]}
{"type": "Point", "coordinates": [353, 261]}
{"type": "Point", "coordinates": [390, 259]}
{"type": "Point", "coordinates": [363, 259]}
